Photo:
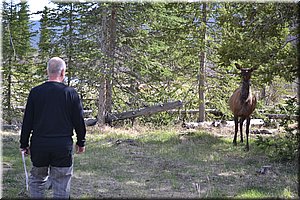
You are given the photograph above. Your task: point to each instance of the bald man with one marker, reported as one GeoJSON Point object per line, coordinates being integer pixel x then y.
{"type": "Point", "coordinates": [53, 111]}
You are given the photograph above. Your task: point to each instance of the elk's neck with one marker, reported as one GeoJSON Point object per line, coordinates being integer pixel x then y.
{"type": "Point", "coordinates": [246, 91]}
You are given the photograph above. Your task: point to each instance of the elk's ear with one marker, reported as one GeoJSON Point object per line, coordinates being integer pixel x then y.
{"type": "Point", "coordinates": [237, 66]}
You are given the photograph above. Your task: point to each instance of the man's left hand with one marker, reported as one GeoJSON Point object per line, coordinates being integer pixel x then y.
{"type": "Point", "coordinates": [79, 149]}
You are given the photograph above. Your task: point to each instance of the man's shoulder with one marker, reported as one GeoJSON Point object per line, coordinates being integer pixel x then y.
{"type": "Point", "coordinates": [69, 89]}
{"type": "Point", "coordinates": [49, 85]}
{"type": "Point", "coordinates": [37, 88]}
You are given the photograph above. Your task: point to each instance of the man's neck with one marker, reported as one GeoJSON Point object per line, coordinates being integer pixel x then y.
{"type": "Point", "coordinates": [55, 79]}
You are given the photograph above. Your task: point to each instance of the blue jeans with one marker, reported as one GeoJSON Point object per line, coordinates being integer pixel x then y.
{"type": "Point", "coordinates": [60, 178]}
{"type": "Point", "coordinates": [55, 165]}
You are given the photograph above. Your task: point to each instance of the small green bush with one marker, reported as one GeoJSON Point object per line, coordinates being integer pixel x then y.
{"type": "Point", "coordinates": [283, 147]}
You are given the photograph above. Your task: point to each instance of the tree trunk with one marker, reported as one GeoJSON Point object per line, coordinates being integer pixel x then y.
{"type": "Point", "coordinates": [9, 87]}
{"type": "Point", "coordinates": [264, 95]}
{"type": "Point", "coordinates": [9, 110]}
{"type": "Point", "coordinates": [201, 75]}
{"type": "Point", "coordinates": [111, 51]}
{"type": "Point", "coordinates": [103, 68]}
{"type": "Point", "coordinates": [102, 102]}
{"type": "Point", "coordinates": [69, 46]}
{"type": "Point", "coordinates": [69, 70]}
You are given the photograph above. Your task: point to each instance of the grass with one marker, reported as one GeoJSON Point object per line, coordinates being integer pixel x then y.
{"type": "Point", "coordinates": [141, 162]}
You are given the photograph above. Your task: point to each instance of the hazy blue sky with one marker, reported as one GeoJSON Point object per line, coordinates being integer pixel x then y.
{"type": "Point", "coordinates": [35, 5]}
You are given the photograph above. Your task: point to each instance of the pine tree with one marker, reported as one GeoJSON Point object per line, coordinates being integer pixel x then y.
{"type": "Point", "coordinates": [124, 56]}
{"type": "Point", "coordinates": [45, 46]}
{"type": "Point", "coordinates": [16, 52]}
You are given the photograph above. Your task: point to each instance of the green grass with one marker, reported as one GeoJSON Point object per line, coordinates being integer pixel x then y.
{"type": "Point", "coordinates": [261, 191]}
{"type": "Point", "coordinates": [157, 163]}
{"type": "Point", "coordinates": [253, 193]}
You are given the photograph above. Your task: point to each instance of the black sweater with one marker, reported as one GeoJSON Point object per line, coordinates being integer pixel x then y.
{"type": "Point", "coordinates": [52, 111]}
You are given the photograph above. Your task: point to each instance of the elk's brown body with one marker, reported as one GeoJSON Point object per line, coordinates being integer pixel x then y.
{"type": "Point", "coordinates": [242, 103]}
{"type": "Point", "coordinates": [240, 108]}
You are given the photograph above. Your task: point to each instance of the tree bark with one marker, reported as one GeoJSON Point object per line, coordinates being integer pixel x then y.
{"type": "Point", "coordinates": [111, 50]}
{"type": "Point", "coordinates": [103, 68]}
{"type": "Point", "coordinates": [70, 44]}
{"type": "Point", "coordinates": [9, 110]}
{"type": "Point", "coordinates": [201, 75]}
{"type": "Point", "coordinates": [102, 102]}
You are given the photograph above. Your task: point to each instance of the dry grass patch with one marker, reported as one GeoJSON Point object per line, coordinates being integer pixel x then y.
{"type": "Point", "coordinates": [143, 162]}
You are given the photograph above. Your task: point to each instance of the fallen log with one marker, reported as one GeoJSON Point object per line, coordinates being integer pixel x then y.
{"type": "Point", "coordinates": [9, 127]}
{"type": "Point", "coordinates": [282, 116]}
{"type": "Point", "coordinates": [262, 131]}
{"type": "Point", "coordinates": [212, 111]}
{"type": "Point", "coordinates": [144, 111]}
{"type": "Point", "coordinates": [219, 123]}
{"type": "Point", "coordinates": [85, 112]}
{"type": "Point", "coordinates": [136, 113]}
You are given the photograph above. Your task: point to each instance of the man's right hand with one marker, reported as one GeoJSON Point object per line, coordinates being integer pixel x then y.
{"type": "Point", "coordinates": [79, 149]}
{"type": "Point", "coordinates": [25, 150]}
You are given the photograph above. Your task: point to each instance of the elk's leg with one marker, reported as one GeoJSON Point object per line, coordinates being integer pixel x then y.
{"type": "Point", "coordinates": [241, 128]}
{"type": "Point", "coordinates": [236, 125]}
{"type": "Point", "coordinates": [247, 133]}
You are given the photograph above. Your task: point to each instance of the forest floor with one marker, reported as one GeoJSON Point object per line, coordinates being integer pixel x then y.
{"type": "Point", "coordinates": [170, 162]}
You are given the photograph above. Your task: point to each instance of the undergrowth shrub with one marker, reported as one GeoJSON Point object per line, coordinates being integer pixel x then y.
{"type": "Point", "coordinates": [283, 147]}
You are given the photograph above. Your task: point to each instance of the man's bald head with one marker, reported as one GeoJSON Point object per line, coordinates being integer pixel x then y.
{"type": "Point", "coordinates": [55, 66]}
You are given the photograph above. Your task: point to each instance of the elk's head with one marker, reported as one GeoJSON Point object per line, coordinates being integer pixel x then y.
{"type": "Point", "coordinates": [245, 72]}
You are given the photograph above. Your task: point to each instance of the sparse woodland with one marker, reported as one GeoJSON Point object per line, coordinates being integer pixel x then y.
{"type": "Point", "coordinates": [124, 56]}
{"type": "Point", "coordinates": [130, 56]}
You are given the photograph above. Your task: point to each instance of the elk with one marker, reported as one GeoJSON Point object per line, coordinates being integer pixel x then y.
{"type": "Point", "coordinates": [242, 103]}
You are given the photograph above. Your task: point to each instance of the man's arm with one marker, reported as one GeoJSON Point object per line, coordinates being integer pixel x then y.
{"type": "Point", "coordinates": [78, 122]}
{"type": "Point", "coordinates": [27, 123]}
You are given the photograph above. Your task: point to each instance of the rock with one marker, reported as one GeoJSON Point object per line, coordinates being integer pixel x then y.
{"type": "Point", "coordinates": [262, 131]}
{"type": "Point", "coordinates": [257, 122]}
{"type": "Point", "coordinates": [219, 124]}
{"type": "Point", "coordinates": [7, 127]}
{"type": "Point", "coordinates": [264, 169]}
{"type": "Point", "coordinates": [90, 122]}
{"type": "Point", "coordinates": [126, 141]}
{"type": "Point", "coordinates": [189, 125]}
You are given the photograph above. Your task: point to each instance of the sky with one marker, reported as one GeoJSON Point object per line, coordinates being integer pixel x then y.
{"type": "Point", "coordinates": [36, 5]}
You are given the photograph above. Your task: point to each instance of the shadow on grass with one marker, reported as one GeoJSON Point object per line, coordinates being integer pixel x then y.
{"type": "Point", "coordinates": [165, 164]}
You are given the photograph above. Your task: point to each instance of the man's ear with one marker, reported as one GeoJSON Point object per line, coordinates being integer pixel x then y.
{"type": "Point", "coordinates": [63, 72]}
